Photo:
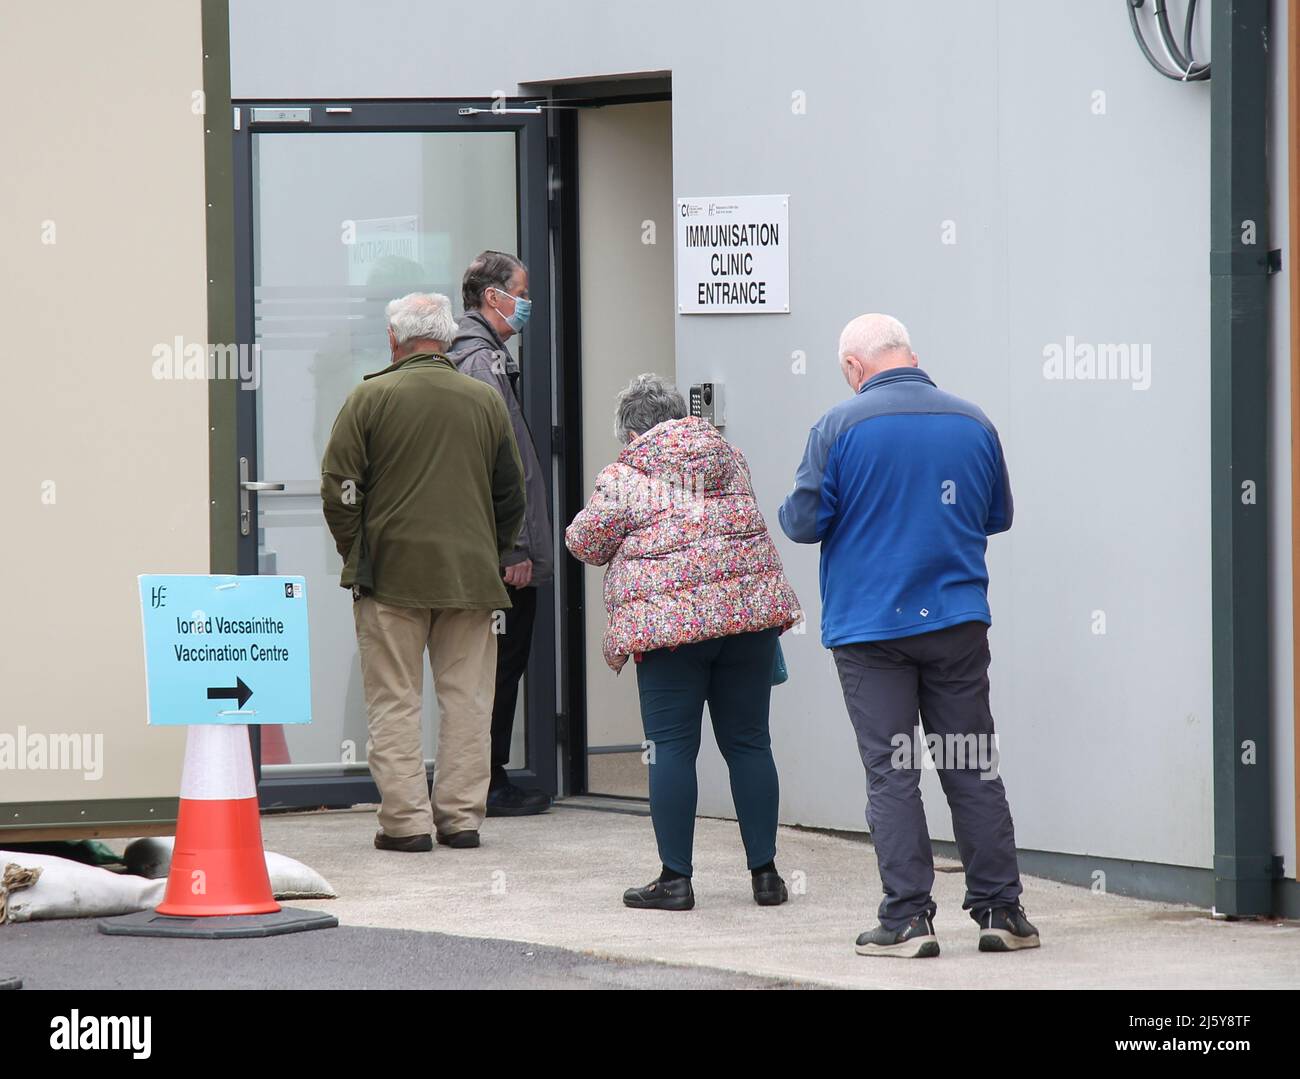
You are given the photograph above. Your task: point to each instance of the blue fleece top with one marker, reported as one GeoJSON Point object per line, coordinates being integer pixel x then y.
{"type": "Point", "coordinates": [901, 484]}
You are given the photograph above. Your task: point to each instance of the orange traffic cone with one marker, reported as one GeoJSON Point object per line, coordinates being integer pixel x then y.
{"type": "Point", "coordinates": [275, 747]}
{"type": "Point", "coordinates": [218, 864]}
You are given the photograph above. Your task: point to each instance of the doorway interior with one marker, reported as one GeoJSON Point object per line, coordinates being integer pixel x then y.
{"type": "Point", "coordinates": [341, 206]}
{"type": "Point", "coordinates": [621, 161]}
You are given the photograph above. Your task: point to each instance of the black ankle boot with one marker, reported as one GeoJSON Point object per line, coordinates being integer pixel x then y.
{"type": "Point", "coordinates": [769, 888]}
{"type": "Point", "coordinates": [662, 895]}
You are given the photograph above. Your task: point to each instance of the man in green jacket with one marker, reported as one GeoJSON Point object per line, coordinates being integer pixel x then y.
{"type": "Point", "coordinates": [423, 492]}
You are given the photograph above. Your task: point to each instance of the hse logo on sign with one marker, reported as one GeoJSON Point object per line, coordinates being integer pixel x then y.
{"type": "Point", "coordinates": [224, 649]}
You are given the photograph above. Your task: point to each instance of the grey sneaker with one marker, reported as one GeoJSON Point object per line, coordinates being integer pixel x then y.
{"type": "Point", "coordinates": [1006, 929]}
{"type": "Point", "coordinates": [916, 940]}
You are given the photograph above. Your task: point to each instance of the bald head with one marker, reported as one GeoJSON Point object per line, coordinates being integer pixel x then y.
{"type": "Point", "coordinates": [871, 344]}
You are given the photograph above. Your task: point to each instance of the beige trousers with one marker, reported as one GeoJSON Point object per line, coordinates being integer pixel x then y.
{"type": "Point", "coordinates": [463, 656]}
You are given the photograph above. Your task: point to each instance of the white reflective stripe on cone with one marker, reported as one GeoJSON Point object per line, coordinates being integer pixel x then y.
{"type": "Point", "coordinates": [218, 763]}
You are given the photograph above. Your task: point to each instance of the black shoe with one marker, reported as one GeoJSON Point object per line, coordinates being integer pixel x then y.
{"type": "Point", "coordinates": [1006, 929]}
{"type": "Point", "coordinates": [662, 895]}
{"type": "Point", "coordinates": [769, 889]}
{"type": "Point", "coordinates": [512, 801]}
{"type": "Point", "coordinates": [916, 940]}
{"type": "Point", "coordinates": [458, 840]}
{"type": "Point", "coordinates": [383, 841]}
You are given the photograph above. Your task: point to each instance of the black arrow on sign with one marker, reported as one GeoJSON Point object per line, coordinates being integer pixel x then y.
{"type": "Point", "coordinates": [238, 691]}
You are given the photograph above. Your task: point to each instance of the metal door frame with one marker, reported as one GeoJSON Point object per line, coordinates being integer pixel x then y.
{"type": "Point", "coordinates": [325, 116]}
{"type": "Point", "coordinates": [563, 105]}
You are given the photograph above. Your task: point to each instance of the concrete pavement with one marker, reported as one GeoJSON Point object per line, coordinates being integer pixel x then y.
{"type": "Point", "coordinates": [557, 879]}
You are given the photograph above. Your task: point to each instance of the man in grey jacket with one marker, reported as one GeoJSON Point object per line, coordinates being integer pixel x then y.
{"type": "Point", "coordinates": [495, 294]}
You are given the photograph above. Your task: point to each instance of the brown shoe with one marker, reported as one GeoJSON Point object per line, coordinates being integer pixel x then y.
{"type": "Point", "coordinates": [458, 840]}
{"type": "Point", "coordinates": [383, 841]}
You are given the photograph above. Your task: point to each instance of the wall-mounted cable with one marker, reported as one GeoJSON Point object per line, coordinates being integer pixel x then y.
{"type": "Point", "coordinates": [1184, 66]}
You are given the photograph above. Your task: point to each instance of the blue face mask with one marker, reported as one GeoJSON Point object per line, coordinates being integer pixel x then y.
{"type": "Point", "coordinates": [518, 319]}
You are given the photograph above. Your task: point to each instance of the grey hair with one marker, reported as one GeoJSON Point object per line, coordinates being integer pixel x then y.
{"type": "Point", "coordinates": [867, 336]}
{"type": "Point", "coordinates": [422, 315]}
{"type": "Point", "coordinates": [648, 401]}
{"type": "Point", "coordinates": [491, 269]}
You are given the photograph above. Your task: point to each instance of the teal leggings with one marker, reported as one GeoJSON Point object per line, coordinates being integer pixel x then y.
{"type": "Point", "coordinates": [734, 675]}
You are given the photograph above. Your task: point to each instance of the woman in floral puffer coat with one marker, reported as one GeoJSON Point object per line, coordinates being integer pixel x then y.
{"type": "Point", "coordinates": [695, 593]}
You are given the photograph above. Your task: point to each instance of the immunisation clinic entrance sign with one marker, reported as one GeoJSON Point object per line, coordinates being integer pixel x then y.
{"type": "Point", "coordinates": [733, 255]}
{"type": "Point", "coordinates": [225, 649]}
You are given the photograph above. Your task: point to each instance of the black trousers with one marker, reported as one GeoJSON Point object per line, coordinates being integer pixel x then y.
{"type": "Point", "coordinates": [513, 647]}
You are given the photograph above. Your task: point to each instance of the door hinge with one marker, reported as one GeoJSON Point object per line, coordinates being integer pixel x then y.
{"type": "Point", "coordinates": [553, 212]}
{"type": "Point", "coordinates": [553, 182]}
{"type": "Point", "coordinates": [557, 441]}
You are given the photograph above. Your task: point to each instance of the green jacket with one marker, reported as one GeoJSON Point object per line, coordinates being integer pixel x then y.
{"type": "Point", "coordinates": [423, 487]}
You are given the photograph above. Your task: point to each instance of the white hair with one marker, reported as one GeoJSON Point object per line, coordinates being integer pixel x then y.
{"type": "Point", "coordinates": [867, 336]}
{"type": "Point", "coordinates": [422, 316]}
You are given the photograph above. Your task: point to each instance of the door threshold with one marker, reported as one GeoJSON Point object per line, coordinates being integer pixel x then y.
{"type": "Point", "coordinates": [606, 803]}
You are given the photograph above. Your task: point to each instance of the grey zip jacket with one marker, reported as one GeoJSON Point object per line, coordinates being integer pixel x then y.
{"type": "Point", "coordinates": [481, 354]}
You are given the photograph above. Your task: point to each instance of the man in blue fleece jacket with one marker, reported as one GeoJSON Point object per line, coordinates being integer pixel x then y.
{"type": "Point", "coordinates": [901, 485]}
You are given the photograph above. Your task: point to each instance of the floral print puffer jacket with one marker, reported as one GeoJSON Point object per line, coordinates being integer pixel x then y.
{"type": "Point", "coordinates": [689, 553]}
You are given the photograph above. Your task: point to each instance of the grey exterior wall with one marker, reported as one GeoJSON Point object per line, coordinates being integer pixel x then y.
{"type": "Point", "coordinates": [1070, 222]}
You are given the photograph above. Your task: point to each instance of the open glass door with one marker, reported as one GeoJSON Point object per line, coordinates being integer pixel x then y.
{"type": "Point", "coordinates": [340, 209]}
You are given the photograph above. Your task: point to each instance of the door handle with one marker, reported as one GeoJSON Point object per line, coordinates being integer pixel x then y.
{"type": "Point", "coordinates": [246, 485]}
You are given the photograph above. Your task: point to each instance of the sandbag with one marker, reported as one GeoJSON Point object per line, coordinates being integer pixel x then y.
{"type": "Point", "coordinates": [290, 879]}
{"type": "Point", "coordinates": [40, 886]}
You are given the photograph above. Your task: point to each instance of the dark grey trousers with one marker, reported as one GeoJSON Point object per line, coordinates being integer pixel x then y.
{"type": "Point", "coordinates": [944, 676]}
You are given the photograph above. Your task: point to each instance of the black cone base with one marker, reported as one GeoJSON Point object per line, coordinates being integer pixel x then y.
{"type": "Point", "coordinates": [149, 923]}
